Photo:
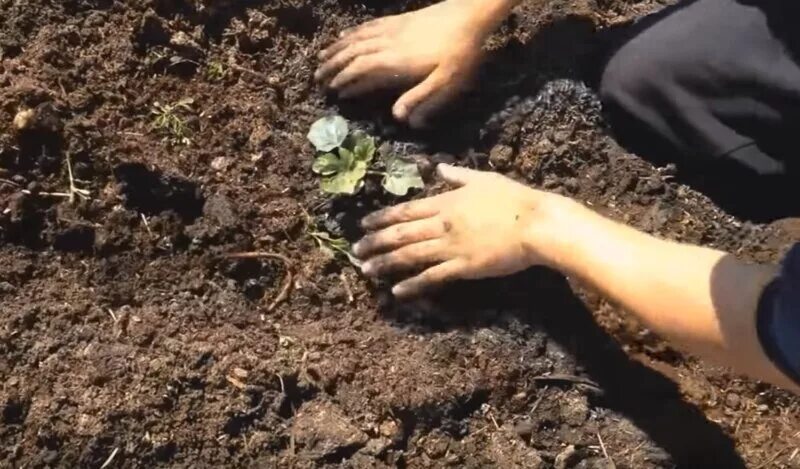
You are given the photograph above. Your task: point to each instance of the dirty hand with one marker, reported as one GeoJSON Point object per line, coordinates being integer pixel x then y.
{"type": "Point", "coordinates": [487, 227]}
{"type": "Point", "coordinates": [439, 45]}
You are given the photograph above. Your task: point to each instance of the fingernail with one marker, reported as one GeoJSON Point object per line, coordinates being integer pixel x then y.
{"type": "Point", "coordinates": [366, 268]}
{"type": "Point", "coordinates": [398, 290]}
{"type": "Point", "coordinates": [357, 249]}
{"type": "Point", "coordinates": [400, 111]}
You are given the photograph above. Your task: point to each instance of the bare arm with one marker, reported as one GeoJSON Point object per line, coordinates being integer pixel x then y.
{"type": "Point", "coordinates": [702, 299]}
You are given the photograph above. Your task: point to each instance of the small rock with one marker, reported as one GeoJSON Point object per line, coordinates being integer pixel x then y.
{"type": "Point", "coordinates": [24, 119]}
{"type": "Point", "coordinates": [221, 163]}
{"type": "Point", "coordinates": [436, 447]}
{"type": "Point", "coordinates": [44, 118]}
{"type": "Point", "coordinates": [566, 458]}
{"type": "Point", "coordinates": [321, 429]}
{"type": "Point", "coordinates": [732, 400]}
{"type": "Point", "coordinates": [501, 156]}
{"type": "Point", "coordinates": [389, 429]}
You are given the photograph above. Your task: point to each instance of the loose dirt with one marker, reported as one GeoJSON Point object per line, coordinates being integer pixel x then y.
{"type": "Point", "coordinates": [129, 339]}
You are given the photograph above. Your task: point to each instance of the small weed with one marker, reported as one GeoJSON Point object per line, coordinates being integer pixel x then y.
{"type": "Point", "coordinates": [168, 120]}
{"type": "Point", "coordinates": [216, 71]}
{"type": "Point", "coordinates": [328, 243]}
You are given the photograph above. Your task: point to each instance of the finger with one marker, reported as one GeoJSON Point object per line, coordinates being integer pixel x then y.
{"type": "Point", "coordinates": [364, 86]}
{"type": "Point", "coordinates": [361, 66]}
{"type": "Point", "coordinates": [457, 176]}
{"type": "Point", "coordinates": [406, 258]}
{"type": "Point", "coordinates": [399, 235]}
{"type": "Point", "coordinates": [408, 211]}
{"type": "Point", "coordinates": [348, 36]}
{"type": "Point", "coordinates": [373, 82]}
{"type": "Point", "coordinates": [432, 277]}
{"type": "Point", "coordinates": [438, 86]}
{"type": "Point", "coordinates": [336, 63]}
{"type": "Point", "coordinates": [420, 116]}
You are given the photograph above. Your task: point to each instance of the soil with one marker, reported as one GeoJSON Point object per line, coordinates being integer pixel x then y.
{"type": "Point", "coordinates": [129, 339]}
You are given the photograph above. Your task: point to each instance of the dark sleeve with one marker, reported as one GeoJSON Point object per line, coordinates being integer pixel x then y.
{"type": "Point", "coordinates": [778, 317]}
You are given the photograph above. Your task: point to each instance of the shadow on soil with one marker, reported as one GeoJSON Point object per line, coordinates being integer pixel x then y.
{"type": "Point", "coordinates": [544, 301]}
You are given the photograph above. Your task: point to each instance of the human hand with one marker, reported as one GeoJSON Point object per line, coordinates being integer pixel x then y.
{"type": "Point", "coordinates": [436, 48]}
{"type": "Point", "coordinates": [486, 227]}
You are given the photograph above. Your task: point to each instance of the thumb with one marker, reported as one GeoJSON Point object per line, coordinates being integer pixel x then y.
{"type": "Point", "coordinates": [416, 105]}
{"type": "Point", "coordinates": [457, 176]}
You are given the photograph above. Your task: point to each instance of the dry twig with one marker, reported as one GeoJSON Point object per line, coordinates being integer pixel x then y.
{"type": "Point", "coordinates": [605, 452]}
{"type": "Point", "coordinates": [110, 459]}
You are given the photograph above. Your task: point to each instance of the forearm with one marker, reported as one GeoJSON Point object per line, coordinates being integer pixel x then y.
{"type": "Point", "coordinates": [703, 299]}
{"type": "Point", "coordinates": [489, 14]}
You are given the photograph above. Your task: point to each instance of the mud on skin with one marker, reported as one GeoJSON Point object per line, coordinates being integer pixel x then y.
{"type": "Point", "coordinates": [124, 335]}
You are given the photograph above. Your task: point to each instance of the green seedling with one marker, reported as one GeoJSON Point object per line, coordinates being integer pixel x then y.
{"type": "Point", "coordinates": [328, 243]}
{"type": "Point", "coordinates": [167, 119]}
{"type": "Point", "coordinates": [216, 71]}
{"type": "Point", "coordinates": [346, 158]}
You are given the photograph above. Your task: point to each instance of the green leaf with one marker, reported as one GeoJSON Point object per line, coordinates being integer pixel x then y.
{"type": "Point", "coordinates": [401, 175]}
{"type": "Point", "coordinates": [364, 148]}
{"type": "Point", "coordinates": [345, 182]}
{"type": "Point", "coordinates": [347, 158]}
{"type": "Point", "coordinates": [328, 133]}
{"type": "Point", "coordinates": [327, 164]}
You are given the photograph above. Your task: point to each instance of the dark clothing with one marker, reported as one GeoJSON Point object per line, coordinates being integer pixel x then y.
{"type": "Point", "coordinates": [778, 317]}
{"type": "Point", "coordinates": [715, 78]}
{"type": "Point", "coordinates": [718, 81]}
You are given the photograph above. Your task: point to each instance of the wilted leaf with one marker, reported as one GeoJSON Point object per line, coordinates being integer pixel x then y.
{"type": "Point", "coordinates": [328, 133]}
{"type": "Point", "coordinates": [334, 246]}
{"type": "Point", "coordinates": [347, 181]}
{"type": "Point", "coordinates": [402, 175]}
{"type": "Point", "coordinates": [327, 164]}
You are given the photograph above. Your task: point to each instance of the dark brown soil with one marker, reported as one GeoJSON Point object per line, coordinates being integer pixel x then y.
{"type": "Point", "coordinates": [129, 340]}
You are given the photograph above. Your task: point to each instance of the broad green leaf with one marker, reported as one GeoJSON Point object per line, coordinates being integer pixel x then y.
{"type": "Point", "coordinates": [327, 164]}
{"type": "Point", "coordinates": [364, 148]}
{"type": "Point", "coordinates": [328, 133]}
{"type": "Point", "coordinates": [347, 158]}
{"type": "Point", "coordinates": [346, 182]}
{"type": "Point", "coordinates": [402, 175]}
